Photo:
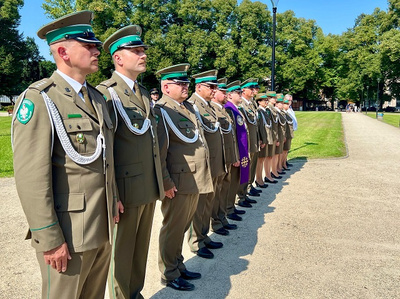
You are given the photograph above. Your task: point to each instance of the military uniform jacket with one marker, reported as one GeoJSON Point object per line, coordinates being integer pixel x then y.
{"type": "Point", "coordinates": [265, 127]}
{"type": "Point", "coordinates": [249, 112]}
{"type": "Point", "coordinates": [136, 157]}
{"type": "Point", "coordinates": [289, 125]}
{"type": "Point", "coordinates": [275, 122]}
{"type": "Point", "coordinates": [64, 201]}
{"type": "Point", "coordinates": [230, 142]}
{"type": "Point", "coordinates": [281, 125]}
{"type": "Point", "coordinates": [215, 140]}
{"type": "Point", "coordinates": [184, 165]}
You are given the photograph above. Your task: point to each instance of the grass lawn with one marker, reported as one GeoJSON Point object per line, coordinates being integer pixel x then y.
{"type": "Point", "coordinates": [6, 157]}
{"type": "Point", "coordinates": [389, 118]}
{"type": "Point", "coordinates": [319, 135]}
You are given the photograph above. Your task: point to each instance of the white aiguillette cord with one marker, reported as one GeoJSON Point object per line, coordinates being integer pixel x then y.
{"type": "Point", "coordinates": [206, 128]}
{"type": "Point", "coordinates": [120, 108]}
{"type": "Point", "coordinates": [57, 122]}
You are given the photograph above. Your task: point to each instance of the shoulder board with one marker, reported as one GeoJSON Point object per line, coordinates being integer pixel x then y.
{"type": "Point", "coordinates": [108, 82]}
{"type": "Point", "coordinates": [159, 105]}
{"type": "Point", "coordinates": [42, 84]}
{"type": "Point", "coordinates": [191, 101]}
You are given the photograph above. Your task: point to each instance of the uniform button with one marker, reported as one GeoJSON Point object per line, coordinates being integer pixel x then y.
{"type": "Point", "coordinates": [37, 241]}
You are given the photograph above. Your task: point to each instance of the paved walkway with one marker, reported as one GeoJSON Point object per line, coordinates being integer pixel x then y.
{"type": "Point", "coordinates": [330, 229]}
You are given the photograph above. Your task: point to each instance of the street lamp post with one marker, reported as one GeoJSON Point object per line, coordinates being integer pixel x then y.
{"type": "Point", "coordinates": [366, 108]}
{"type": "Point", "coordinates": [377, 97]}
{"type": "Point", "coordinates": [274, 9]}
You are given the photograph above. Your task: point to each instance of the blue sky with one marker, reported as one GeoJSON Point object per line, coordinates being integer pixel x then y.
{"type": "Point", "coordinates": [333, 16]}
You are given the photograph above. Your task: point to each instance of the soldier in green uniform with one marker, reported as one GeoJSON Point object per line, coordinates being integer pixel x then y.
{"type": "Point", "coordinates": [206, 85]}
{"type": "Point", "coordinates": [281, 131]}
{"type": "Point", "coordinates": [248, 109]}
{"type": "Point", "coordinates": [219, 222]}
{"type": "Point", "coordinates": [272, 136]}
{"type": "Point", "coordinates": [186, 173]}
{"type": "Point", "coordinates": [63, 162]}
{"type": "Point", "coordinates": [137, 160]}
{"type": "Point", "coordinates": [289, 133]}
{"type": "Point", "coordinates": [275, 129]}
{"type": "Point", "coordinates": [263, 127]}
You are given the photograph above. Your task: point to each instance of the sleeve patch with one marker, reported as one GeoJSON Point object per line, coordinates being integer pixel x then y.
{"type": "Point", "coordinates": [25, 111]}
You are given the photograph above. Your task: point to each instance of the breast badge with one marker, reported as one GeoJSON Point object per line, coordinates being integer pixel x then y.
{"type": "Point", "coordinates": [80, 138]}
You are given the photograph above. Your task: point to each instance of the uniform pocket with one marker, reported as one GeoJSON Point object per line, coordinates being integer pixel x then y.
{"type": "Point", "coordinates": [81, 134]}
{"type": "Point", "coordinates": [130, 183]}
{"type": "Point", "coordinates": [70, 209]}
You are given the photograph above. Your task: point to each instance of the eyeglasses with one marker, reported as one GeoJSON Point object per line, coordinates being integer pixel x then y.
{"type": "Point", "coordinates": [212, 87]}
{"type": "Point", "coordinates": [181, 84]}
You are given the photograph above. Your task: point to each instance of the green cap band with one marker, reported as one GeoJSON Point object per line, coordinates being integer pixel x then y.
{"type": "Point", "coordinates": [124, 40]}
{"type": "Point", "coordinates": [205, 79]}
{"type": "Point", "coordinates": [271, 94]}
{"type": "Point", "coordinates": [173, 75]}
{"type": "Point", "coordinates": [222, 85]}
{"type": "Point", "coordinates": [286, 102]}
{"type": "Point", "coordinates": [250, 84]}
{"type": "Point", "coordinates": [233, 88]}
{"type": "Point", "coordinates": [60, 33]}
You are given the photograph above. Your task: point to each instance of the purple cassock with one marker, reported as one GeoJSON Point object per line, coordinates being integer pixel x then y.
{"type": "Point", "coordinates": [243, 144]}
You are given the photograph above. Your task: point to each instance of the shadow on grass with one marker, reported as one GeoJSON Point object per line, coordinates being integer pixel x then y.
{"type": "Point", "coordinates": [232, 259]}
{"type": "Point", "coordinates": [304, 145]}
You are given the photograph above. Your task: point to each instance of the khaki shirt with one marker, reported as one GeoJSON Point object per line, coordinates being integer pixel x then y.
{"type": "Point", "coordinates": [64, 201]}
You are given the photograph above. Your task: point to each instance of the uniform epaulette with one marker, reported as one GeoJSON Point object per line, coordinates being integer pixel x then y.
{"type": "Point", "coordinates": [190, 101]}
{"type": "Point", "coordinates": [159, 105]}
{"type": "Point", "coordinates": [42, 84]}
{"type": "Point", "coordinates": [108, 83]}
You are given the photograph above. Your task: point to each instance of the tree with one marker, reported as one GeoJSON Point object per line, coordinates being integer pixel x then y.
{"type": "Point", "coordinates": [11, 47]}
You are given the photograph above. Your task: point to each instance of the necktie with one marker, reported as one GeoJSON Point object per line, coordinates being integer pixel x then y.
{"type": "Point", "coordinates": [139, 96]}
{"type": "Point", "coordinates": [88, 102]}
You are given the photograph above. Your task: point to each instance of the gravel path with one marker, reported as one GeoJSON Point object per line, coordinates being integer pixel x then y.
{"type": "Point", "coordinates": [329, 229]}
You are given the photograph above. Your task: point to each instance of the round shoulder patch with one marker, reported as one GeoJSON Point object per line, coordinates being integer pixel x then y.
{"type": "Point", "coordinates": [239, 120]}
{"type": "Point", "coordinates": [25, 111]}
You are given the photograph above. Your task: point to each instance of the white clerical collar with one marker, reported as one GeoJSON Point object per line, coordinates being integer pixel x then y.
{"type": "Point", "coordinates": [200, 97]}
{"type": "Point", "coordinates": [74, 84]}
{"type": "Point", "coordinates": [127, 80]}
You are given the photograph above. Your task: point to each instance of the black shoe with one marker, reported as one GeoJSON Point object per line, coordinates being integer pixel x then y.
{"type": "Point", "coordinates": [230, 226]}
{"type": "Point", "coordinates": [276, 177]}
{"type": "Point", "coordinates": [281, 172]}
{"type": "Point", "coordinates": [270, 182]}
{"type": "Point", "coordinates": [289, 165]}
{"type": "Point", "coordinates": [245, 204]}
{"type": "Point", "coordinates": [234, 216]}
{"type": "Point", "coordinates": [261, 186]}
{"type": "Point", "coordinates": [255, 190]}
{"type": "Point", "coordinates": [188, 275]}
{"type": "Point", "coordinates": [214, 245]}
{"type": "Point", "coordinates": [179, 284]}
{"type": "Point", "coordinates": [239, 212]}
{"type": "Point", "coordinates": [249, 200]}
{"type": "Point", "coordinates": [205, 253]}
{"type": "Point", "coordinates": [221, 231]}
{"type": "Point", "coordinates": [252, 193]}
